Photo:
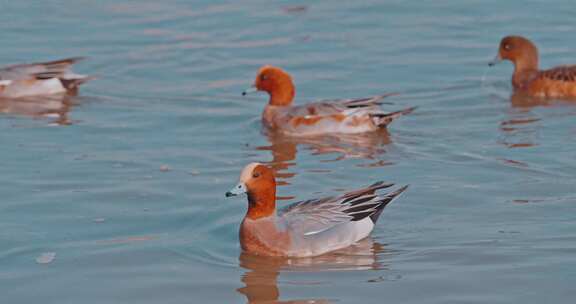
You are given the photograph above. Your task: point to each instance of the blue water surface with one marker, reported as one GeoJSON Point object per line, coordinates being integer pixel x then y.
{"type": "Point", "coordinates": [117, 195]}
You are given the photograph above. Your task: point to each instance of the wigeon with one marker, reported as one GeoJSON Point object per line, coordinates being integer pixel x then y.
{"type": "Point", "coordinates": [557, 82]}
{"type": "Point", "coordinates": [307, 228]}
{"type": "Point", "coordinates": [44, 78]}
{"type": "Point", "coordinates": [329, 116]}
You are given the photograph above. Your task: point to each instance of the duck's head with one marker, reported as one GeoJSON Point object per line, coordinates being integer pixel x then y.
{"type": "Point", "coordinates": [521, 51]}
{"type": "Point", "coordinates": [277, 83]}
{"type": "Point", "coordinates": [258, 182]}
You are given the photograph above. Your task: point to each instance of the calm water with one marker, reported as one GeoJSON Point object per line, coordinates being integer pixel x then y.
{"type": "Point", "coordinates": [117, 196]}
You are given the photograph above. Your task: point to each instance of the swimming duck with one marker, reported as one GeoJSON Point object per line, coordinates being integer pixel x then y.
{"type": "Point", "coordinates": [44, 78]}
{"type": "Point", "coordinates": [328, 116]}
{"type": "Point", "coordinates": [557, 82]}
{"type": "Point", "coordinates": [307, 228]}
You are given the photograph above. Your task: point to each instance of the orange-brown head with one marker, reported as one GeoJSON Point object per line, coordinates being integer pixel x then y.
{"type": "Point", "coordinates": [258, 182]}
{"type": "Point", "coordinates": [521, 51]}
{"type": "Point", "coordinates": [277, 83]}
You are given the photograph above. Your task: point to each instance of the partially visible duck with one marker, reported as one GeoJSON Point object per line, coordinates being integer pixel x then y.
{"type": "Point", "coordinates": [44, 78]}
{"type": "Point", "coordinates": [557, 82]}
{"type": "Point", "coordinates": [329, 116]}
{"type": "Point", "coordinates": [307, 228]}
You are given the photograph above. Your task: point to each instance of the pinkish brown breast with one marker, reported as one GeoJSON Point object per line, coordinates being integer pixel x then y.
{"type": "Point", "coordinates": [263, 238]}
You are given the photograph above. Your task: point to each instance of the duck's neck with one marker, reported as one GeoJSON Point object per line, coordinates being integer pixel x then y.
{"type": "Point", "coordinates": [282, 95]}
{"type": "Point", "coordinates": [525, 67]}
{"type": "Point", "coordinates": [261, 204]}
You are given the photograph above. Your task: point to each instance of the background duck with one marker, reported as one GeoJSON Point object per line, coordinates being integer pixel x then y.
{"type": "Point", "coordinates": [43, 78]}
{"type": "Point", "coordinates": [328, 116]}
{"type": "Point", "coordinates": [557, 82]}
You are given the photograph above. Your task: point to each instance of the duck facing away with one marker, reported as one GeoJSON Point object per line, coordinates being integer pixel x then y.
{"type": "Point", "coordinates": [330, 116]}
{"type": "Point", "coordinates": [557, 82]}
{"type": "Point", "coordinates": [44, 78]}
{"type": "Point", "coordinates": [307, 228]}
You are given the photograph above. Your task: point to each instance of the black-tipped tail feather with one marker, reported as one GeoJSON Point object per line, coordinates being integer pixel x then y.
{"type": "Point", "coordinates": [368, 101]}
{"type": "Point", "coordinates": [366, 203]}
{"type": "Point", "coordinates": [384, 119]}
{"type": "Point", "coordinates": [51, 69]}
{"type": "Point", "coordinates": [385, 200]}
{"type": "Point", "coordinates": [72, 84]}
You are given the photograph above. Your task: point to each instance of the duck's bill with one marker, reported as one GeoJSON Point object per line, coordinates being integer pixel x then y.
{"type": "Point", "coordinates": [250, 90]}
{"type": "Point", "coordinates": [237, 190]}
{"type": "Point", "coordinates": [495, 61]}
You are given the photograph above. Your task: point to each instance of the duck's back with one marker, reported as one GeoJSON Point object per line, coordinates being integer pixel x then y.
{"type": "Point", "coordinates": [556, 82]}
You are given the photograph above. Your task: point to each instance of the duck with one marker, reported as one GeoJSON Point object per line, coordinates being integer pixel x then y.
{"type": "Point", "coordinates": [528, 79]}
{"type": "Point", "coordinates": [306, 228]}
{"type": "Point", "coordinates": [42, 78]}
{"type": "Point", "coordinates": [344, 116]}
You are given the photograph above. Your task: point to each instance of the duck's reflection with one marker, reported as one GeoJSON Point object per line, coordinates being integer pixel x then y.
{"type": "Point", "coordinates": [519, 130]}
{"type": "Point", "coordinates": [55, 108]}
{"type": "Point", "coordinates": [525, 102]}
{"type": "Point", "coordinates": [261, 276]}
{"type": "Point", "coordinates": [520, 127]}
{"type": "Point", "coordinates": [284, 149]}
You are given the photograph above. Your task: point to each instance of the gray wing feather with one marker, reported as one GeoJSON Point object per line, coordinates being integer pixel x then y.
{"type": "Point", "coordinates": [317, 215]}
{"type": "Point", "coordinates": [41, 70]}
{"type": "Point", "coordinates": [314, 216]}
{"type": "Point", "coordinates": [360, 102]}
{"type": "Point", "coordinates": [337, 106]}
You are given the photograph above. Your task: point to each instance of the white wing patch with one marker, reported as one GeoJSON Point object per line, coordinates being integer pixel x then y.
{"type": "Point", "coordinates": [71, 76]}
{"type": "Point", "coordinates": [317, 231]}
{"type": "Point", "coordinates": [363, 228]}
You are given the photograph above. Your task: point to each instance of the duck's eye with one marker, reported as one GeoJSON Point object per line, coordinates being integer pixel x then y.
{"type": "Point", "coordinates": [507, 47]}
{"type": "Point", "coordinates": [256, 175]}
{"type": "Point", "coordinates": [263, 77]}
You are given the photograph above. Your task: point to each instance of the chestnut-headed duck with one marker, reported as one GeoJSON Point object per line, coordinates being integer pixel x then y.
{"type": "Point", "coordinates": [557, 82]}
{"type": "Point", "coordinates": [44, 78]}
{"type": "Point", "coordinates": [307, 228]}
{"type": "Point", "coordinates": [328, 116]}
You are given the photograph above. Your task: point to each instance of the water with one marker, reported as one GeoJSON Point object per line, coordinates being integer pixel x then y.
{"type": "Point", "coordinates": [117, 196]}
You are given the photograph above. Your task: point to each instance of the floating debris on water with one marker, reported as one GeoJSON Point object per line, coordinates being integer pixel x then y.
{"type": "Point", "coordinates": [46, 258]}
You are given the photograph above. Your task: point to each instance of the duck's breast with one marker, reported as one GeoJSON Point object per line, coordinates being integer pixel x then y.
{"type": "Point", "coordinates": [264, 237]}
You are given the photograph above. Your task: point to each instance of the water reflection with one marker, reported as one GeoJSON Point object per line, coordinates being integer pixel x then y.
{"type": "Point", "coordinates": [519, 128]}
{"type": "Point", "coordinates": [284, 149]}
{"type": "Point", "coordinates": [261, 277]}
{"type": "Point", "coordinates": [56, 108]}
{"type": "Point", "coordinates": [526, 102]}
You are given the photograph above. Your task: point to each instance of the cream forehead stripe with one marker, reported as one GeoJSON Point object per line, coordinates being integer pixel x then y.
{"type": "Point", "coordinates": [263, 68]}
{"type": "Point", "coordinates": [247, 172]}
